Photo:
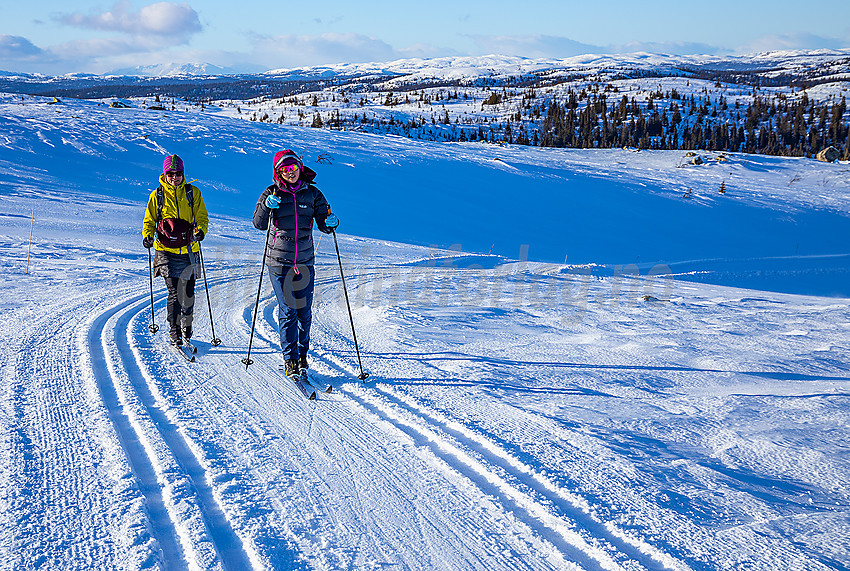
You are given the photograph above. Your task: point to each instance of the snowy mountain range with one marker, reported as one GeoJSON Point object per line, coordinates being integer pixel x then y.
{"type": "Point", "coordinates": [171, 70]}
{"type": "Point", "coordinates": [779, 68]}
{"type": "Point", "coordinates": [816, 65]}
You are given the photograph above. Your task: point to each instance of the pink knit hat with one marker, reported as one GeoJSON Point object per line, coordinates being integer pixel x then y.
{"type": "Point", "coordinates": [172, 163]}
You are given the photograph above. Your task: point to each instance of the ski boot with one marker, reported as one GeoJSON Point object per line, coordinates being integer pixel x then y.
{"type": "Point", "coordinates": [290, 368]}
{"type": "Point", "coordinates": [174, 332]}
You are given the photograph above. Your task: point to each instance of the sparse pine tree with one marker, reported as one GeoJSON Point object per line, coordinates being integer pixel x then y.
{"type": "Point", "coordinates": [847, 147]}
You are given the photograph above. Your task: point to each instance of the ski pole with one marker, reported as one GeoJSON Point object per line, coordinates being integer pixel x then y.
{"type": "Point", "coordinates": [153, 327]}
{"type": "Point", "coordinates": [247, 360]}
{"type": "Point", "coordinates": [215, 340]}
{"type": "Point", "coordinates": [363, 375]}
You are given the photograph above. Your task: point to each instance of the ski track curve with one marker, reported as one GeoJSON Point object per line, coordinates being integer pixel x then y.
{"type": "Point", "coordinates": [366, 440]}
{"type": "Point", "coordinates": [228, 547]}
{"type": "Point", "coordinates": [57, 515]}
{"type": "Point", "coordinates": [184, 516]}
{"type": "Point", "coordinates": [188, 520]}
{"type": "Point", "coordinates": [474, 447]}
{"type": "Point", "coordinates": [131, 439]}
{"type": "Point", "coordinates": [209, 404]}
{"type": "Point", "coordinates": [555, 515]}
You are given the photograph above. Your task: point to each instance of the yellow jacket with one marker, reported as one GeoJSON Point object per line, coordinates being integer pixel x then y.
{"type": "Point", "coordinates": [175, 205]}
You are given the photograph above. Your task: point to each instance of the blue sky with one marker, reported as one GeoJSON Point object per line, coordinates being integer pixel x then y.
{"type": "Point", "coordinates": [56, 37]}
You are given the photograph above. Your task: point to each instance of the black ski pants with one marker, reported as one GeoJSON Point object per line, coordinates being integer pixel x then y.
{"type": "Point", "coordinates": [181, 300]}
{"type": "Point", "coordinates": [178, 271]}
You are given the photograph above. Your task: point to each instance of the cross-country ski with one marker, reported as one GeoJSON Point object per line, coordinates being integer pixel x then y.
{"type": "Point", "coordinates": [316, 382]}
{"type": "Point", "coordinates": [185, 352]}
{"type": "Point", "coordinates": [304, 386]}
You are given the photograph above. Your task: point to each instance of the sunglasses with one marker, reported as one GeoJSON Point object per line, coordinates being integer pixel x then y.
{"type": "Point", "coordinates": [288, 169]}
{"type": "Point", "coordinates": [174, 174]}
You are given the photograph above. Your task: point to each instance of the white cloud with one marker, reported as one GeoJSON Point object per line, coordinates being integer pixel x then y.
{"type": "Point", "coordinates": [289, 51]}
{"type": "Point", "coordinates": [543, 46]}
{"type": "Point", "coordinates": [168, 21]}
{"type": "Point", "coordinates": [144, 36]}
{"type": "Point", "coordinates": [675, 48]}
{"type": "Point", "coordinates": [799, 41]}
{"type": "Point", "coordinates": [534, 46]}
{"type": "Point", "coordinates": [96, 48]}
{"type": "Point", "coordinates": [425, 51]}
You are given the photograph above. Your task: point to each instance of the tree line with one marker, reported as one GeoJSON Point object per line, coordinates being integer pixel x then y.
{"type": "Point", "coordinates": [767, 125]}
{"type": "Point", "coordinates": [597, 117]}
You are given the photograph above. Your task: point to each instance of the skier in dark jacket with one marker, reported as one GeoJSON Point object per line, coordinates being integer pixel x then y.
{"type": "Point", "coordinates": [291, 204]}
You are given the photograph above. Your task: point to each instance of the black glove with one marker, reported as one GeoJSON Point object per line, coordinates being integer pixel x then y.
{"type": "Point", "coordinates": [331, 222]}
{"type": "Point", "coordinates": [147, 242]}
{"type": "Point", "coordinates": [199, 235]}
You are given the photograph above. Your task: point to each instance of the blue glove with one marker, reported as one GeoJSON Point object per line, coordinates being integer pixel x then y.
{"type": "Point", "coordinates": [272, 201]}
{"type": "Point", "coordinates": [331, 222]}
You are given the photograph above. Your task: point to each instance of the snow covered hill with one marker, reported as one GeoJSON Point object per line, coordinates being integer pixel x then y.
{"type": "Point", "coordinates": [521, 414]}
{"type": "Point", "coordinates": [779, 225]}
{"type": "Point", "coordinates": [171, 70]}
{"type": "Point", "coordinates": [816, 65]}
{"type": "Point", "coordinates": [778, 68]}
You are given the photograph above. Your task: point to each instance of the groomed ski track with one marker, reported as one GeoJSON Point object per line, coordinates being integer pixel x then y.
{"type": "Point", "coordinates": [221, 467]}
{"type": "Point", "coordinates": [195, 486]}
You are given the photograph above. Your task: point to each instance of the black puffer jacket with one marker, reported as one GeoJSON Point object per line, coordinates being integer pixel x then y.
{"type": "Point", "coordinates": [291, 238]}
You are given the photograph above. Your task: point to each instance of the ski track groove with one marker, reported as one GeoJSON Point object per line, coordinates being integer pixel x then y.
{"type": "Point", "coordinates": [131, 439]}
{"type": "Point", "coordinates": [228, 547]}
{"type": "Point", "coordinates": [566, 544]}
{"type": "Point", "coordinates": [575, 539]}
{"type": "Point", "coordinates": [231, 402]}
{"type": "Point", "coordinates": [379, 467]}
{"type": "Point", "coordinates": [570, 548]}
{"type": "Point", "coordinates": [572, 530]}
{"type": "Point", "coordinates": [509, 467]}
{"type": "Point", "coordinates": [184, 515]}
{"type": "Point", "coordinates": [43, 486]}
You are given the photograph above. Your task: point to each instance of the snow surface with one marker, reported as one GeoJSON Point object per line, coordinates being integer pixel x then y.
{"type": "Point", "coordinates": [521, 414]}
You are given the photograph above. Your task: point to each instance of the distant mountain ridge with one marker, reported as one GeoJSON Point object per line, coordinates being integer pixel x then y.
{"type": "Point", "coordinates": [511, 66]}
{"type": "Point", "coordinates": [771, 68]}
{"type": "Point", "coordinates": [171, 70]}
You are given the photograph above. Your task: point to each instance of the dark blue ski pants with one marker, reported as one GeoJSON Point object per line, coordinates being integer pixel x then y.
{"type": "Point", "coordinates": [294, 291]}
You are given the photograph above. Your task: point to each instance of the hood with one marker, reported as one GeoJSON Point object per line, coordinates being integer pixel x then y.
{"type": "Point", "coordinates": [286, 157]}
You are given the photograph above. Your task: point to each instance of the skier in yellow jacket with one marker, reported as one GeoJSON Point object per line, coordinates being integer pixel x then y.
{"type": "Point", "coordinates": [175, 221]}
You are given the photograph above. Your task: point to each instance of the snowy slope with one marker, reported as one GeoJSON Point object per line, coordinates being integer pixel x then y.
{"type": "Point", "coordinates": [638, 212]}
{"type": "Point", "coordinates": [522, 415]}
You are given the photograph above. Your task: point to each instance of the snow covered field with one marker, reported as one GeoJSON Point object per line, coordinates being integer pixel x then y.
{"type": "Point", "coordinates": [521, 415]}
